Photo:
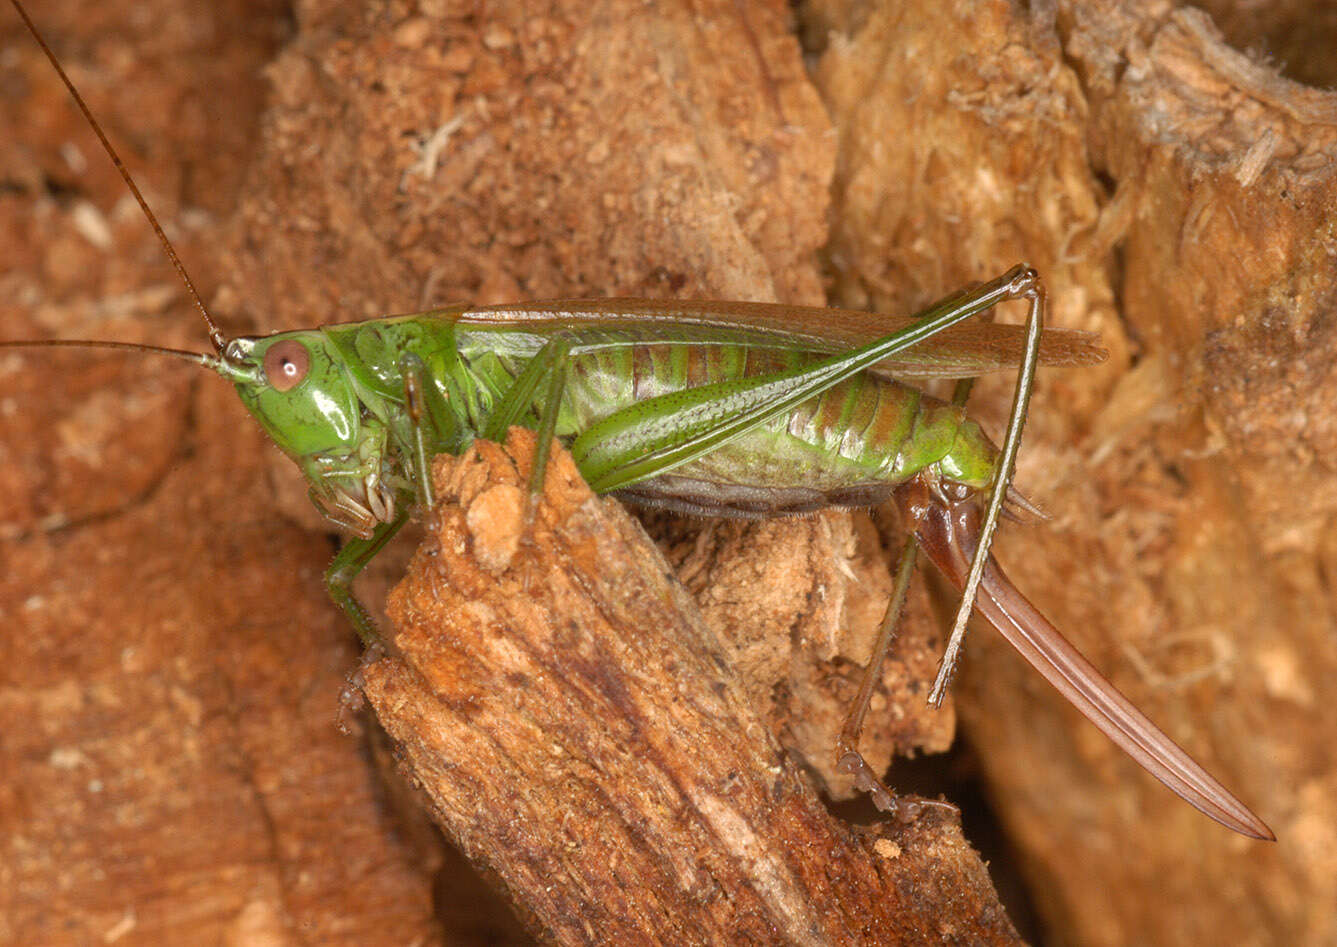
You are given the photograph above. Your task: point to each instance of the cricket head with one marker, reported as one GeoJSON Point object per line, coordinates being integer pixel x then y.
{"type": "Point", "coordinates": [301, 394]}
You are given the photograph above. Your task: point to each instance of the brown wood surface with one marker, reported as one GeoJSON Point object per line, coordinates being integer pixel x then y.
{"type": "Point", "coordinates": [581, 732]}
{"type": "Point", "coordinates": [1178, 194]}
{"type": "Point", "coordinates": [171, 769]}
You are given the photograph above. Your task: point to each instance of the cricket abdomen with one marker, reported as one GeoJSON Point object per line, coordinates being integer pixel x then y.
{"type": "Point", "coordinates": [847, 447]}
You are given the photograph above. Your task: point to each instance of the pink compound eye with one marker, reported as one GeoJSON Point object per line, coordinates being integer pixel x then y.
{"type": "Point", "coordinates": [286, 364]}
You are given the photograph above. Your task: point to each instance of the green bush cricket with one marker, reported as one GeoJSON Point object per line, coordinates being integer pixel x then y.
{"type": "Point", "coordinates": [711, 408]}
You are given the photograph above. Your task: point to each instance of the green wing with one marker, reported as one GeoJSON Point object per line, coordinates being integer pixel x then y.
{"type": "Point", "coordinates": [960, 352]}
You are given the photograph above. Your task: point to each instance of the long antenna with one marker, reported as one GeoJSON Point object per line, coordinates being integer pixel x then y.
{"type": "Point", "coordinates": [216, 335]}
{"type": "Point", "coordinates": [208, 361]}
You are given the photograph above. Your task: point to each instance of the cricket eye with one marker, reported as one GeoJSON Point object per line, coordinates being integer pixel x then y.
{"type": "Point", "coordinates": [286, 364]}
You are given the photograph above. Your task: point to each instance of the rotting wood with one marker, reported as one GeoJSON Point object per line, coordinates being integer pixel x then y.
{"type": "Point", "coordinates": [1169, 204]}
{"type": "Point", "coordinates": [580, 733]}
{"type": "Point", "coordinates": [1179, 192]}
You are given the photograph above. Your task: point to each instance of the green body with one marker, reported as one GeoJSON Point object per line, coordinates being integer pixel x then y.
{"type": "Point", "coordinates": [732, 409]}
{"type": "Point", "coordinates": [349, 428]}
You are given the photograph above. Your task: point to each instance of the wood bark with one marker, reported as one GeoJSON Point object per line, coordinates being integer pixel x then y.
{"type": "Point", "coordinates": [1178, 194]}
{"type": "Point", "coordinates": [581, 732]}
{"type": "Point", "coordinates": [170, 770]}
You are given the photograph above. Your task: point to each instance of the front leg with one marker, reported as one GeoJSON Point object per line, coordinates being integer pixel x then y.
{"type": "Point", "coordinates": [546, 373]}
{"type": "Point", "coordinates": [351, 560]}
{"type": "Point", "coordinates": [415, 395]}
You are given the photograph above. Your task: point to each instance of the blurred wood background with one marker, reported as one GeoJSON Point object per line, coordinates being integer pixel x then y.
{"type": "Point", "coordinates": [170, 766]}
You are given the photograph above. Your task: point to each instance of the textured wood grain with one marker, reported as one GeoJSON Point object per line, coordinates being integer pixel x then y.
{"type": "Point", "coordinates": [1178, 193]}
{"type": "Point", "coordinates": [171, 770]}
{"type": "Point", "coordinates": [580, 731]}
